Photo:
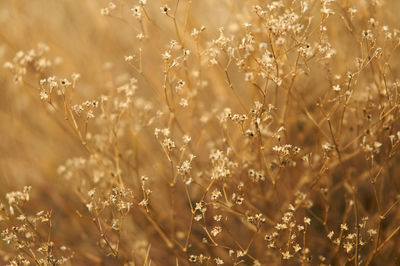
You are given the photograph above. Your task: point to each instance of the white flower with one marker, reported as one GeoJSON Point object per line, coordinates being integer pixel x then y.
{"type": "Point", "coordinates": [75, 76]}
{"type": "Point", "coordinates": [215, 194]}
{"type": "Point", "coordinates": [286, 255]}
{"type": "Point", "coordinates": [280, 226]}
{"type": "Point", "coordinates": [105, 12]}
{"type": "Point", "coordinates": [140, 36]}
{"type": "Point", "coordinates": [165, 9]}
{"type": "Point", "coordinates": [128, 58]}
{"type": "Point", "coordinates": [166, 55]}
{"type": "Point", "coordinates": [348, 247]}
{"type": "Point", "coordinates": [111, 5]}
{"type": "Point", "coordinates": [169, 144]}
{"type": "Point", "coordinates": [43, 95]}
{"type": "Point", "coordinates": [137, 12]}
{"type": "Point", "coordinates": [90, 114]}
{"type": "Point", "coordinates": [218, 261]}
{"type": "Point", "coordinates": [371, 232]}
{"type": "Point", "coordinates": [216, 230]}
{"type": "Point", "coordinates": [186, 139]}
{"type": "Point", "coordinates": [336, 88]}
{"type": "Point", "coordinates": [344, 227]}
{"type": "Point", "coordinates": [217, 217]}
{"type": "Point", "coordinates": [296, 248]}
{"type": "Point", "coordinates": [89, 206]}
{"type": "Point", "coordinates": [377, 144]}
{"type": "Point", "coordinates": [327, 147]}
{"type": "Point", "coordinates": [183, 102]}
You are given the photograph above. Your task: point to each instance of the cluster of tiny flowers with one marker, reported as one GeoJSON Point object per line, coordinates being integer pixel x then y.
{"type": "Point", "coordinates": [24, 236]}
{"type": "Point", "coordinates": [23, 60]}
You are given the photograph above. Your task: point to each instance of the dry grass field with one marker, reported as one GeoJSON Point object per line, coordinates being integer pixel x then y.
{"type": "Point", "coordinates": [199, 132]}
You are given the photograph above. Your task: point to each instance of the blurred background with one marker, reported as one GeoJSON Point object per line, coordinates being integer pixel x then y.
{"type": "Point", "coordinates": [35, 140]}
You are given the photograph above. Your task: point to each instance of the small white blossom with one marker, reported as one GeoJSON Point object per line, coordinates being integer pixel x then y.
{"type": "Point", "coordinates": [105, 12]}
{"type": "Point", "coordinates": [183, 102]}
{"type": "Point", "coordinates": [344, 227]}
{"type": "Point", "coordinates": [128, 58]}
{"type": "Point", "coordinates": [165, 9]}
{"type": "Point", "coordinates": [286, 255]}
{"type": "Point", "coordinates": [336, 88]}
{"type": "Point", "coordinates": [43, 95]}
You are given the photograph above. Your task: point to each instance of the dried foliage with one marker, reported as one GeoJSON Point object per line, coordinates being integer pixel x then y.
{"type": "Point", "coordinates": [234, 132]}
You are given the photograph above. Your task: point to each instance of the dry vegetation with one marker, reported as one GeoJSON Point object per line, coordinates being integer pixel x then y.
{"type": "Point", "coordinates": [208, 132]}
